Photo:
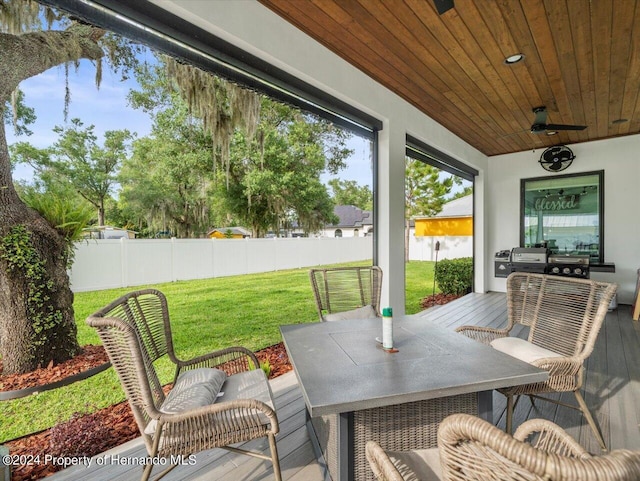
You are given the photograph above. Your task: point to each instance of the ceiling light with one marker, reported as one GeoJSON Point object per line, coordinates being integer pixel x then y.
{"type": "Point", "coordinates": [620, 121]}
{"type": "Point", "coordinates": [552, 132]}
{"type": "Point", "coordinates": [515, 58]}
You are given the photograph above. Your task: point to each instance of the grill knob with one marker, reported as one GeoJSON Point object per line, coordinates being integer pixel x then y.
{"type": "Point", "coordinates": [566, 270]}
{"type": "Point", "coordinates": [577, 271]}
{"type": "Point", "coordinates": [555, 270]}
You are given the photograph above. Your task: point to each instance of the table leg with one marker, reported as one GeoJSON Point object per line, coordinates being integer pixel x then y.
{"type": "Point", "coordinates": [333, 444]}
{"type": "Point", "coordinates": [485, 405]}
{"type": "Point", "coordinates": [345, 446]}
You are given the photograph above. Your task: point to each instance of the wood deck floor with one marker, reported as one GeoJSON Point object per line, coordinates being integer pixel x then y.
{"type": "Point", "coordinates": [612, 391]}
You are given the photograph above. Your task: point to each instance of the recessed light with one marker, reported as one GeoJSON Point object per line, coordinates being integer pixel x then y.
{"type": "Point", "coordinates": [515, 58]}
{"type": "Point", "coordinates": [620, 121]}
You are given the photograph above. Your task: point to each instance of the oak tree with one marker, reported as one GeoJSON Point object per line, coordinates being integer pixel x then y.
{"type": "Point", "coordinates": [37, 324]}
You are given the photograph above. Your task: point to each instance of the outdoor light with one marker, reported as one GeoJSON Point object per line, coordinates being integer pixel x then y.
{"type": "Point", "coordinates": [515, 58]}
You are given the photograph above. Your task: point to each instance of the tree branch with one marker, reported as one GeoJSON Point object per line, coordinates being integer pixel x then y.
{"type": "Point", "coordinates": [27, 55]}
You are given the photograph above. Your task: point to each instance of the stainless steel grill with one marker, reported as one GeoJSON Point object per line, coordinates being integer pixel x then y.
{"type": "Point", "coordinates": [539, 260]}
{"type": "Point", "coordinates": [529, 259]}
{"type": "Point", "coordinates": [568, 266]}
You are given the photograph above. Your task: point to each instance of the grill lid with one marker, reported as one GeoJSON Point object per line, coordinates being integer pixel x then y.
{"type": "Point", "coordinates": [569, 259]}
{"type": "Point", "coordinates": [530, 255]}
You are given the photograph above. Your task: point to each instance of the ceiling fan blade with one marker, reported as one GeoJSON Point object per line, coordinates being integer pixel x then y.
{"type": "Point", "coordinates": [554, 165]}
{"type": "Point", "coordinates": [565, 127]}
{"type": "Point", "coordinates": [443, 5]}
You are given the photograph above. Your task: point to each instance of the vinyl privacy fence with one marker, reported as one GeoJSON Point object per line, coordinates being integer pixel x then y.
{"type": "Point", "coordinates": [110, 263]}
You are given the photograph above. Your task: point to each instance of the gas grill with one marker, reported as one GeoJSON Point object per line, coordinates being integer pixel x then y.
{"type": "Point", "coordinates": [568, 265]}
{"type": "Point", "coordinates": [538, 260]}
{"type": "Point", "coordinates": [529, 259]}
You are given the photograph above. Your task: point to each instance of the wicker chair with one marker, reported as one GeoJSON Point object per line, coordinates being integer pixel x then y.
{"type": "Point", "coordinates": [471, 449]}
{"type": "Point", "coordinates": [206, 408]}
{"type": "Point", "coordinates": [347, 292]}
{"type": "Point", "coordinates": [564, 316]}
{"type": "Point", "coordinates": [415, 465]}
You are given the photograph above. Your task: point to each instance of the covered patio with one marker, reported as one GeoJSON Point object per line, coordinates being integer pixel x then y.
{"type": "Point", "coordinates": [612, 390]}
{"type": "Point", "coordinates": [439, 81]}
{"type": "Point", "coordinates": [408, 75]}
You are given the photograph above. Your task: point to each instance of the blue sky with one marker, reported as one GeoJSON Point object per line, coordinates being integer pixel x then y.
{"type": "Point", "coordinates": [107, 109]}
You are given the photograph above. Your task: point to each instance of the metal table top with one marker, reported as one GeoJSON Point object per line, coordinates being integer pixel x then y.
{"type": "Point", "coordinates": [341, 367]}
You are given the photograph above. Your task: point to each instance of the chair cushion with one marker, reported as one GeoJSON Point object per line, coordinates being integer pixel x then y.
{"type": "Point", "coordinates": [418, 464]}
{"type": "Point", "coordinates": [214, 388]}
{"type": "Point", "coordinates": [364, 312]}
{"type": "Point", "coordinates": [193, 389]}
{"type": "Point", "coordinates": [521, 349]}
{"type": "Point", "coordinates": [247, 385]}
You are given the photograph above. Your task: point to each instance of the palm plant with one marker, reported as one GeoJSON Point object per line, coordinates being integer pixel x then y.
{"type": "Point", "coordinates": [68, 214]}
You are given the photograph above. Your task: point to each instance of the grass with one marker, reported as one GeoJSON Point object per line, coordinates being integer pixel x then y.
{"type": "Point", "coordinates": [206, 315]}
{"type": "Point", "coordinates": [418, 284]}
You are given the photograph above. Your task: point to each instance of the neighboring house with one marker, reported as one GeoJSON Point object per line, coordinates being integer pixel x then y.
{"type": "Point", "coordinates": [353, 222]}
{"type": "Point", "coordinates": [451, 228]}
{"type": "Point", "coordinates": [455, 219]}
{"type": "Point", "coordinates": [108, 232]}
{"type": "Point", "coordinates": [229, 233]}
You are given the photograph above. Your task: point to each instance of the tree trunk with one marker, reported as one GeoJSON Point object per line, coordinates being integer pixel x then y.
{"type": "Point", "coordinates": [36, 306]}
{"type": "Point", "coordinates": [37, 325]}
{"type": "Point", "coordinates": [101, 214]}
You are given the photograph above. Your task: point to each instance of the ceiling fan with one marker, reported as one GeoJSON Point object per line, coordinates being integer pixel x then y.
{"type": "Point", "coordinates": [540, 124]}
{"type": "Point", "coordinates": [443, 5]}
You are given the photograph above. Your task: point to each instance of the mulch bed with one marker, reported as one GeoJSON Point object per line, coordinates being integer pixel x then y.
{"type": "Point", "coordinates": [90, 356]}
{"type": "Point", "coordinates": [90, 434]}
{"type": "Point", "coordinates": [437, 300]}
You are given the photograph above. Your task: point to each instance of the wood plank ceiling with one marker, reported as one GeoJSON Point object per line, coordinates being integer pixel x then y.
{"type": "Point", "coordinates": [581, 61]}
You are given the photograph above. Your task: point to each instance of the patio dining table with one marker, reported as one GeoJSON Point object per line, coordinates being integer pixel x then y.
{"type": "Point", "coordinates": [355, 391]}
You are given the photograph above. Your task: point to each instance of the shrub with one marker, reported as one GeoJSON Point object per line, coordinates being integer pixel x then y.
{"type": "Point", "coordinates": [455, 276]}
{"type": "Point", "coordinates": [67, 215]}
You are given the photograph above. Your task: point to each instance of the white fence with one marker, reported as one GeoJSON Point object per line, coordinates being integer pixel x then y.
{"type": "Point", "coordinates": [109, 263]}
{"type": "Point", "coordinates": [451, 247]}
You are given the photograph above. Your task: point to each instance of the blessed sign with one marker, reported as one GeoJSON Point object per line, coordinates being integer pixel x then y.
{"type": "Point", "coordinates": [556, 203]}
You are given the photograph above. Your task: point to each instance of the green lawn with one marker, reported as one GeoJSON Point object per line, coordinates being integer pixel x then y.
{"type": "Point", "coordinates": [205, 315]}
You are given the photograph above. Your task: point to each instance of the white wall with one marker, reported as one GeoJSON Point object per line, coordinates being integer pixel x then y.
{"type": "Point", "coordinates": [619, 159]}
{"type": "Point", "coordinates": [252, 27]}
{"type": "Point", "coordinates": [110, 263]}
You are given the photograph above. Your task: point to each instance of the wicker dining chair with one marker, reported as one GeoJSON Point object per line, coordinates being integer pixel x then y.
{"type": "Point", "coordinates": [347, 292]}
{"type": "Point", "coordinates": [564, 316]}
{"type": "Point", "coordinates": [471, 449]}
{"type": "Point", "coordinates": [218, 399]}
{"type": "Point", "coordinates": [414, 465]}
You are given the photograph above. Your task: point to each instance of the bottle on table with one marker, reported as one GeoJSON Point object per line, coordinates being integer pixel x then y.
{"type": "Point", "coordinates": [387, 328]}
